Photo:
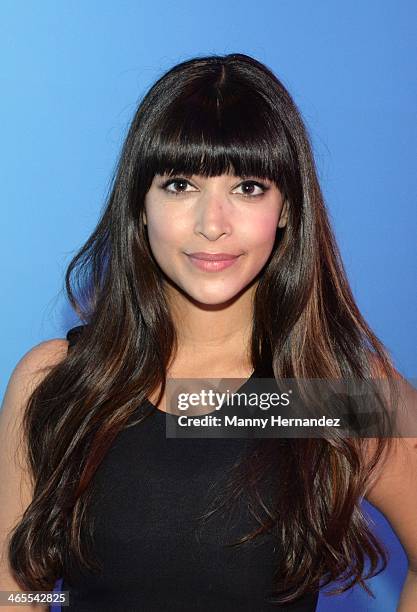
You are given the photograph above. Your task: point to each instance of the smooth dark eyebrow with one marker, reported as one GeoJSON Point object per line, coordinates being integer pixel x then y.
{"type": "Point", "coordinates": [170, 175]}
{"type": "Point", "coordinates": [188, 175]}
{"type": "Point", "coordinates": [254, 176]}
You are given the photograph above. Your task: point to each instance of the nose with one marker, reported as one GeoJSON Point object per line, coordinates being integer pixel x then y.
{"type": "Point", "coordinates": [213, 215]}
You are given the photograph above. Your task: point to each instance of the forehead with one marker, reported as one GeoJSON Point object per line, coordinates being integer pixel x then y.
{"type": "Point", "coordinates": [183, 159]}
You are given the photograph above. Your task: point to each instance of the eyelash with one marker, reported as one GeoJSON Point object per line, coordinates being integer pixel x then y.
{"type": "Point", "coordinates": [181, 180]}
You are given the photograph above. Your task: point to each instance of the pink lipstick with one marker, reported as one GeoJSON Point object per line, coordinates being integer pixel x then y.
{"type": "Point", "coordinates": [212, 262]}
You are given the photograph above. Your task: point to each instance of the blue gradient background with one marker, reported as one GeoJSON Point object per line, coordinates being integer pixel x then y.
{"type": "Point", "coordinates": [72, 73]}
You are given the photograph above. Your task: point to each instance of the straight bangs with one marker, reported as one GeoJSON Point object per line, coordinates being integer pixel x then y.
{"type": "Point", "coordinates": [216, 131]}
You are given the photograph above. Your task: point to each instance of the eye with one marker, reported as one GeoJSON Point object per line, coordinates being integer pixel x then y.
{"type": "Point", "coordinates": [176, 182]}
{"type": "Point", "coordinates": [178, 185]}
{"type": "Point", "coordinates": [249, 186]}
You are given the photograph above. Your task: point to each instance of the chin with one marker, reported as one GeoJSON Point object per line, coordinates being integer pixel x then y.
{"type": "Point", "coordinates": [213, 298]}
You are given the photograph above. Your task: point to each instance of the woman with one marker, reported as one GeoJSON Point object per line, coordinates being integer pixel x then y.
{"type": "Point", "coordinates": [217, 162]}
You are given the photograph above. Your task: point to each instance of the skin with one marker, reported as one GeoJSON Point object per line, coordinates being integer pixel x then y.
{"type": "Point", "coordinates": [212, 310]}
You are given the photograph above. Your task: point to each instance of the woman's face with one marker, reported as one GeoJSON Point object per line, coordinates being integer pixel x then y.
{"type": "Point", "coordinates": [225, 215]}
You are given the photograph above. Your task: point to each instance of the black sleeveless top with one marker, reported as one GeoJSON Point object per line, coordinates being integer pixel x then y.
{"type": "Point", "coordinates": [155, 555]}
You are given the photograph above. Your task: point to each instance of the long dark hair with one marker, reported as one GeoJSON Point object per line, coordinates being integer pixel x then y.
{"type": "Point", "coordinates": [208, 115]}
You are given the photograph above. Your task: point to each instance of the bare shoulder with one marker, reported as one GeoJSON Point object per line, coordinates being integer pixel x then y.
{"type": "Point", "coordinates": [43, 355]}
{"type": "Point", "coordinates": [395, 479]}
{"type": "Point", "coordinates": [28, 373]}
{"type": "Point", "coordinates": [31, 368]}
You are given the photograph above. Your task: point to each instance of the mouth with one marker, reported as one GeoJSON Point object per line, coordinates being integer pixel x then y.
{"type": "Point", "coordinates": [212, 262]}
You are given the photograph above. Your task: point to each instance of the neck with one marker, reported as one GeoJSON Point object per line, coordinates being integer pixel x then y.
{"type": "Point", "coordinates": [207, 329]}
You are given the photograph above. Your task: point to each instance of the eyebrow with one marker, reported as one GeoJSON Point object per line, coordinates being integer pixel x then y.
{"type": "Point", "coordinates": [190, 175]}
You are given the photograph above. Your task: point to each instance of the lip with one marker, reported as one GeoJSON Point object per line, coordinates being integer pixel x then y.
{"type": "Point", "coordinates": [212, 262]}
{"type": "Point", "coordinates": [213, 256]}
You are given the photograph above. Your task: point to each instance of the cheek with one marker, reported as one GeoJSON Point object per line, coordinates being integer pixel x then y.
{"type": "Point", "coordinates": [260, 233]}
{"type": "Point", "coordinates": [163, 229]}
{"type": "Point", "coordinates": [167, 237]}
